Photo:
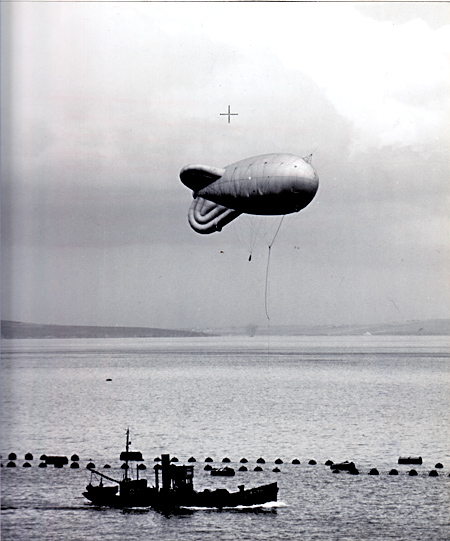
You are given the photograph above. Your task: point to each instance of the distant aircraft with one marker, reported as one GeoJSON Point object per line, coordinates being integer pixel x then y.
{"type": "Point", "coordinates": [270, 184]}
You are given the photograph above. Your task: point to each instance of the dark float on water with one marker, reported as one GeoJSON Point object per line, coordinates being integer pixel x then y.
{"type": "Point", "coordinates": [173, 489]}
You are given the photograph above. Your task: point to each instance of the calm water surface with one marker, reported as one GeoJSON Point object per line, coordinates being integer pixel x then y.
{"type": "Point", "coordinates": [367, 399]}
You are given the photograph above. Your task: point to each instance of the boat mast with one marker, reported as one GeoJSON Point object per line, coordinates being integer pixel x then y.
{"type": "Point", "coordinates": [125, 475]}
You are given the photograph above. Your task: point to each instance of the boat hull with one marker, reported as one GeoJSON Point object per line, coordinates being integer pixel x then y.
{"type": "Point", "coordinates": [221, 498]}
{"type": "Point", "coordinates": [150, 497]}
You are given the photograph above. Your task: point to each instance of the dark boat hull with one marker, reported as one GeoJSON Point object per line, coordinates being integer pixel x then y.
{"type": "Point", "coordinates": [118, 501]}
{"type": "Point", "coordinates": [219, 498]}
{"type": "Point", "coordinates": [132, 494]}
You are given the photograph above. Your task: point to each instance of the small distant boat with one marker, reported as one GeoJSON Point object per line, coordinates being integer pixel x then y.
{"type": "Point", "coordinates": [226, 472]}
{"type": "Point", "coordinates": [410, 460]}
{"type": "Point", "coordinates": [173, 489]}
{"type": "Point", "coordinates": [344, 466]}
{"type": "Point", "coordinates": [57, 461]}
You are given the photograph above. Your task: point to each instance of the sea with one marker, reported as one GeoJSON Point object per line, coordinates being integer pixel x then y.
{"type": "Point", "coordinates": [366, 399]}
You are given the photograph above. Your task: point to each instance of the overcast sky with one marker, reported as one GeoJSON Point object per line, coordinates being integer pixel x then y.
{"type": "Point", "coordinates": [104, 103]}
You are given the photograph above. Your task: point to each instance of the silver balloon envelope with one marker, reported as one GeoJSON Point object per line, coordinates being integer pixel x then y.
{"type": "Point", "coordinates": [269, 185]}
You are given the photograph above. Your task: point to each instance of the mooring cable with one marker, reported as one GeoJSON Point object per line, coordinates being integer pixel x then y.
{"type": "Point", "coordinates": [266, 307]}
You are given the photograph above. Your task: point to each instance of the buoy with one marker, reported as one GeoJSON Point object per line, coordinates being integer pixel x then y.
{"type": "Point", "coordinates": [43, 457]}
{"type": "Point", "coordinates": [312, 462]}
{"type": "Point", "coordinates": [107, 466]}
{"type": "Point", "coordinates": [433, 473]}
{"type": "Point", "coordinates": [28, 456]}
{"type": "Point", "coordinates": [329, 463]}
{"type": "Point", "coordinates": [412, 472]}
{"type": "Point", "coordinates": [296, 461]}
{"type": "Point", "coordinates": [191, 459]}
{"type": "Point", "coordinates": [90, 466]}
{"type": "Point", "coordinates": [142, 467]}
{"type": "Point", "coordinates": [353, 471]}
{"type": "Point", "coordinates": [11, 464]}
{"type": "Point", "coordinates": [438, 465]}
{"type": "Point", "coordinates": [108, 379]}
{"type": "Point", "coordinates": [208, 467]}
{"type": "Point", "coordinates": [393, 472]}
{"type": "Point", "coordinates": [123, 467]}
{"type": "Point", "coordinates": [374, 471]}
{"type": "Point", "coordinates": [74, 458]}
{"type": "Point", "coordinates": [278, 461]}
{"type": "Point", "coordinates": [243, 460]}
{"type": "Point", "coordinates": [12, 456]}
{"type": "Point", "coordinates": [226, 459]}
{"type": "Point", "coordinates": [74, 465]}
{"type": "Point", "coordinates": [260, 461]}
{"type": "Point", "coordinates": [276, 470]}
{"type": "Point", "coordinates": [174, 459]}
{"type": "Point", "coordinates": [157, 459]}
{"type": "Point", "coordinates": [42, 465]}
{"type": "Point", "coordinates": [26, 465]}
{"type": "Point", "coordinates": [209, 459]}
{"type": "Point", "coordinates": [258, 468]}
{"type": "Point", "coordinates": [243, 468]}
{"type": "Point", "coordinates": [336, 471]}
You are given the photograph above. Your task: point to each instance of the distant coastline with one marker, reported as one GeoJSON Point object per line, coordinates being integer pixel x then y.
{"type": "Point", "coordinates": [431, 327]}
{"type": "Point", "coordinates": [16, 329]}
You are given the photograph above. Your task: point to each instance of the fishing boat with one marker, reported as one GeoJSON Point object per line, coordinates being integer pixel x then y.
{"type": "Point", "coordinates": [226, 472]}
{"type": "Point", "coordinates": [174, 488]}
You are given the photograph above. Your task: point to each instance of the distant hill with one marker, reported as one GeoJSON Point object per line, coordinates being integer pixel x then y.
{"type": "Point", "coordinates": [432, 327]}
{"type": "Point", "coordinates": [16, 329]}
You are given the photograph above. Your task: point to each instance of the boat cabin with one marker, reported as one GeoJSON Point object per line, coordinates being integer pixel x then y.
{"type": "Point", "coordinates": [171, 478]}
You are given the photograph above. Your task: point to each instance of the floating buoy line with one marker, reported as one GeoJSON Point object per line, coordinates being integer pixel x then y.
{"type": "Point", "coordinates": [59, 461]}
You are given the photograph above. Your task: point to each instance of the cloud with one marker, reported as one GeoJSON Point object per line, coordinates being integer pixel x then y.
{"type": "Point", "coordinates": [365, 68]}
{"type": "Point", "coordinates": [389, 79]}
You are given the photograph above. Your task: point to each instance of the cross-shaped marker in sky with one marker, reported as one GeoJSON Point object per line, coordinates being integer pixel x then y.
{"type": "Point", "coordinates": [228, 114]}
